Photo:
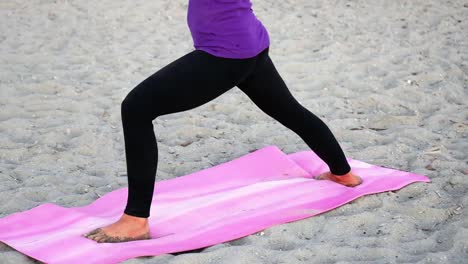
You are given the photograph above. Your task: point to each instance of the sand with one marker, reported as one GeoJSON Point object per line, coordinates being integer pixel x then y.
{"type": "Point", "coordinates": [388, 77]}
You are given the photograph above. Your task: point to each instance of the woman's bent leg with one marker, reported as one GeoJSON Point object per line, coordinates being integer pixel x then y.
{"type": "Point", "coordinates": [189, 82]}
{"type": "Point", "coordinates": [268, 91]}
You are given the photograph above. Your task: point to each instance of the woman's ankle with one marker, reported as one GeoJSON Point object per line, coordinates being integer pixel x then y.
{"type": "Point", "coordinates": [349, 174]}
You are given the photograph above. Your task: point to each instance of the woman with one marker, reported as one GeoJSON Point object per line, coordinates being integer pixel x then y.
{"type": "Point", "coordinates": [231, 49]}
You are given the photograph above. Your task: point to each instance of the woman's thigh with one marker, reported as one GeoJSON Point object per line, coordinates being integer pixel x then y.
{"type": "Point", "coordinates": [267, 89]}
{"type": "Point", "coordinates": [188, 82]}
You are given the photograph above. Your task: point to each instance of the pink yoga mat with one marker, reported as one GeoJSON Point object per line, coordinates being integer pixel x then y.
{"type": "Point", "coordinates": [218, 204]}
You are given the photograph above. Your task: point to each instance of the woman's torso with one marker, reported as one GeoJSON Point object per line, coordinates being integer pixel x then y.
{"type": "Point", "coordinates": [226, 28]}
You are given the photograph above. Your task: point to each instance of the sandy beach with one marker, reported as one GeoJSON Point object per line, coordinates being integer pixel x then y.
{"type": "Point", "coordinates": [390, 79]}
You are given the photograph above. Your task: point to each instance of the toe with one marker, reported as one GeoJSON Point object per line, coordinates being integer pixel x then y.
{"type": "Point", "coordinates": [95, 231]}
{"type": "Point", "coordinates": [89, 236]}
{"type": "Point", "coordinates": [95, 236]}
{"type": "Point", "coordinates": [101, 239]}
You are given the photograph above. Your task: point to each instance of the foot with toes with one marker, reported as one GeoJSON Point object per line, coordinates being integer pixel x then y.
{"type": "Point", "coordinates": [349, 179]}
{"type": "Point", "coordinates": [128, 228]}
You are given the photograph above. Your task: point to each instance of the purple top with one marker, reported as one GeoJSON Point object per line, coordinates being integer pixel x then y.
{"type": "Point", "coordinates": [226, 28]}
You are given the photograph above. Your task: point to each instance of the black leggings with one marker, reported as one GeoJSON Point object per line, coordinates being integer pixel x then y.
{"type": "Point", "coordinates": [195, 79]}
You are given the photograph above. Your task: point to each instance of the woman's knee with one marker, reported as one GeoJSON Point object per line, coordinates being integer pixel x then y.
{"type": "Point", "coordinates": [133, 108]}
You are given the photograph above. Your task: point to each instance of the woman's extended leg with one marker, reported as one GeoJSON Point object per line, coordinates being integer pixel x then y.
{"type": "Point", "coordinates": [268, 91]}
{"type": "Point", "coordinates": [186, 83]}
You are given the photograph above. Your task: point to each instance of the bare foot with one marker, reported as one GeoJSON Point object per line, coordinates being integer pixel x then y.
{"type": "Point", "coordinates": [128, 228]}
{"type": "Point", "coordinates": [348, 179]}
